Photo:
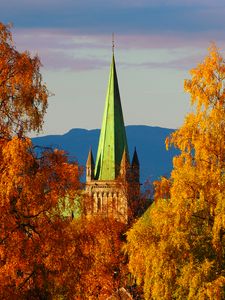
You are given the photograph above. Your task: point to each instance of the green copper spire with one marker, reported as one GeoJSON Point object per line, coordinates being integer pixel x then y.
{"type": "Point", "coordinates": [112, 141]}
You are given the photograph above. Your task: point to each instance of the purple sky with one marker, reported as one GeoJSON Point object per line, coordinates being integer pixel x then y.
{"type": "Point", "coordinates": [157, 42]}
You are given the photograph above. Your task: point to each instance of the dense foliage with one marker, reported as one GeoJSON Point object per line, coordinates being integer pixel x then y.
{"type": "Point", "coordinates": [34, 238]}
{"type": "Point", "coordinates": [23, 96]}
{"type": "Point", "coordinates": [44, 252]}
{"type": "Point", "coordinates": [97, 258]}
{"type": "Point", "coordinates": [177, 249]}
{"type": "Point", "coordinates": [33, 235]}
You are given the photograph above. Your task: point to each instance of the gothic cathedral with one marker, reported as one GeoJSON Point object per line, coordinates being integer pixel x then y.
{"type": "Point", "coordinates": [112, 182]}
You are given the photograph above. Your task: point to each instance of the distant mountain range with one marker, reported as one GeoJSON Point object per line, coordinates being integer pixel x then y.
{"type": "Point", "coordinates": [155, 160]}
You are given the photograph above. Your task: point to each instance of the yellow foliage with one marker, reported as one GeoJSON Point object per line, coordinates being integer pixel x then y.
{"type": "Point", "coordinates": [177, 249]}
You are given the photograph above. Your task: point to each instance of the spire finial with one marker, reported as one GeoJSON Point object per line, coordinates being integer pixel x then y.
{"type": "Point", "coordinates": [113, 43]}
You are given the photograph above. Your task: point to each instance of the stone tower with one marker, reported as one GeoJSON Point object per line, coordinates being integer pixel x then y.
{"type": "Point", "coordinates": [112, 183]}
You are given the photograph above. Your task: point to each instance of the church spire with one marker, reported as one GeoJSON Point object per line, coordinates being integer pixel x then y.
{"type": "Point", "coordinates": [112, 141]}
{"type": "Point", "coordinates": [112, 183]}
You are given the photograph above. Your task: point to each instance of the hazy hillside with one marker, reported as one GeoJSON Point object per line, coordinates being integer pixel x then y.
{"type": "Point", "coordinates": [155, 161]}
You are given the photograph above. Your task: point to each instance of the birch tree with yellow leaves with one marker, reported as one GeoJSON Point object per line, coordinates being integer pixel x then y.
{"type": "Point", "coordinates": [177, 249]}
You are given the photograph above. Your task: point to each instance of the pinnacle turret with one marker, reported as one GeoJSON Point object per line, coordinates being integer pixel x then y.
{"type": "Point", "coordinates": [124, 165]}
{"type": "Point", "coordinates": [135, 160]}
{"type": "Point", "coordinates": [90, 159]}
{"type": "Point", "coordinates": [135, 167]}
{"type": "Point", "coordinates": [90, 166]}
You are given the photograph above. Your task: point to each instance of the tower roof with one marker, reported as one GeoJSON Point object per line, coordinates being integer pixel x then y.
{"type": "Point", "coordinates": [112, 141]}
{"type": "Point", "coordinates": [135, 160]}
{"type": "Point", "coordinates": [90, 159]}
{"type": "Point", "coordinates": [125, 160]}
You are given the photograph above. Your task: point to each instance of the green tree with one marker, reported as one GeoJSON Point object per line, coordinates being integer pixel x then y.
{"type": "Point", "coordinates": [177, 249]}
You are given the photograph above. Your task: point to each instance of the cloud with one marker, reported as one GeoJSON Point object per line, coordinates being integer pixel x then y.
{"type": "Point", "coordinates": [45, 38]}
{"type": "Point", "coordinates": [71, 39]}
{"type": "Point", "coordinates": [68, 50]}
{"type": "Point", "coordinates": [185, 63]}
{"type": "Point", "coordinates": [59, 60]}
{"type": "Point", "coordinates": [122, 16]}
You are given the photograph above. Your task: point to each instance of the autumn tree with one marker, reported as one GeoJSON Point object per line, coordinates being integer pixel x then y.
{"type": "Point", "coordinates": [97, 257]}
{"type": "Point", "coordinates": [177, 249]}
{"type": "Point", "coordinates": [33, 234]}
{"type": "Point", "coordinates": [23, 96]}
{"type": "Point", "coordinates": [35, 238]}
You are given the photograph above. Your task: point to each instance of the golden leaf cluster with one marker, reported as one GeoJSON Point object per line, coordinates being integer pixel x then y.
{"type": "Point", "coordinates": [177, 249]}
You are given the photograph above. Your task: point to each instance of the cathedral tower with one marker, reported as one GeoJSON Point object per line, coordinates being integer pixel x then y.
{"type": "Point", "coordinates": [112, 183]}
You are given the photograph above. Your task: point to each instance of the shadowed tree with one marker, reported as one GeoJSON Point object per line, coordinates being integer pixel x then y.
{"type": "Point", "coordinates": [34, 238]}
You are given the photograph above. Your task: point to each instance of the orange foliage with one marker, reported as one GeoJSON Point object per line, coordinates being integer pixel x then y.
{"type": "Point", "coordinates": [23, 96]}
{"type": "Point", "coordinates": [35, 238]}
{"type": "Point", "coordinates": [97, 258]}
{"type": "Point", "coordinates": [33, 242]}
{"type": "Point", "coordinates": [44, 255]}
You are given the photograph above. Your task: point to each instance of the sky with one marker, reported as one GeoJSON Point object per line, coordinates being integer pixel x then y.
{"type": "Point", "coordinates": [156, 44]}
